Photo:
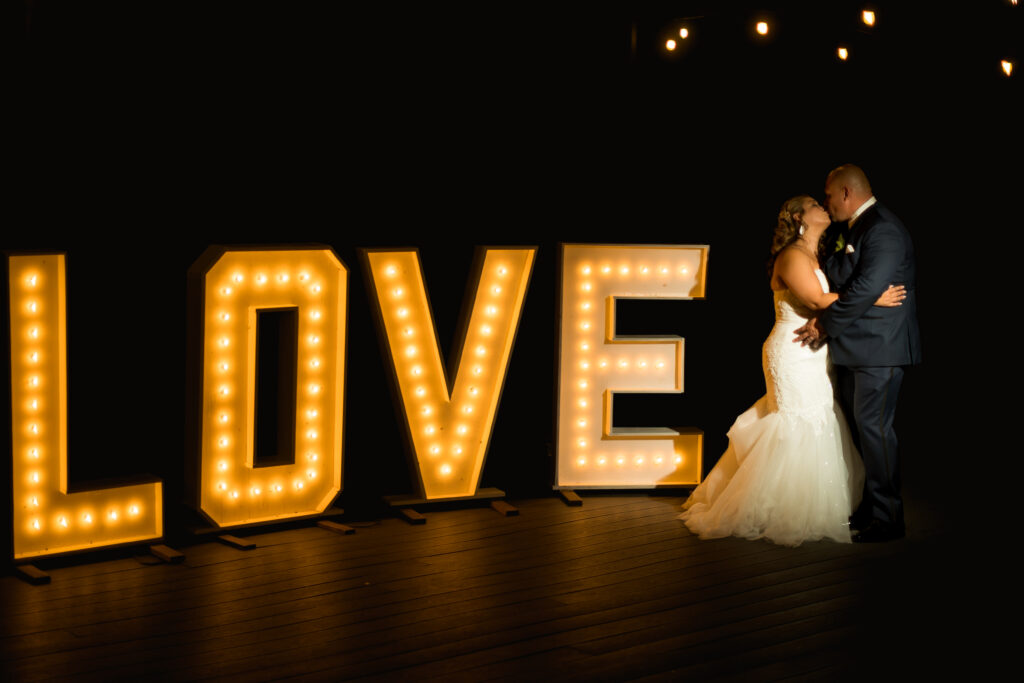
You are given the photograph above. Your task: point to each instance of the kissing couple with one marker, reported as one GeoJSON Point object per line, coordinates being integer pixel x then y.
{"type": "Point", "coordinates": [798, 466]}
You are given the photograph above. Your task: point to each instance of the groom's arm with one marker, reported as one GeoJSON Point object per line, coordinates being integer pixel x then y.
{"type": "Point", "coordinates": [881, 255]}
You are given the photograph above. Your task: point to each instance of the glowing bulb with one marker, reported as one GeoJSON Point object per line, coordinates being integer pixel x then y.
{"type": "Point", "coordinates": [762, 27]}
{"type": "Point", "coordinates": [315, 315]}
{"type": "Point", "coordinates": [868, 17]}
{"type": "Point", "coordinates": [683, 270]}
{"type": "Point", "coordinates": [225, 342]}
{"type": "Point", "coordinates": [843, 53]}
{"type": "Point", "coordinates": [87, 518]}
{"type": "Point", "coordinates": [679, 459]}
{"type": "Point", "coordinates": [644, 270]}
{"type": "Point", "coordinates": [485, 329]}
{"type": "Point", "coordinates": [502, 271]}
{"type": "Point", "coordinates": [391, 271]}
{"type": "Point", "coordinates": [224, 367]}
{"type": "Point", "coordinates": [496, 290]}
{"type": "Point", "coordinates": [582, 443]}
{"type": "Point", "coordinates": [491, 310]}
{"type": "Point", "coordinates": [420, 391]}
{"type": "Point", "coordinates": [33, 381]}
{"type": "Point", "coordinates": [473, 391]}
{"type": "Point", "coordinates": [63, 522]}
{"type": "Point", "coordinates": [620, 461]}
{"type": "Point", "coordinates": [315, 289]}
{"type": "Point", "coordinates": [457, 450]}
{"type": "Point", "coordinates": [133, 510]}
{"type": "Point", "coordinates": [238, 277]}
{"type": "Point", "coordinates": [1007, 66]}
{"type": "Point", "coordinates": [429, 430]}
{"type": "Point", "coordinates": [480, 350]}
{"type": "Point", "coordinates": [33, 332]}
{"type": "Point", "coordinates": [303, 276]}
{"type": "Point", "coordinates": [225, 291]}
{"type": "Point", "coordinates": [446, 469]}
{"type": "Point", "coordinates": [410, 351]}
{"type": "Point", "coordinates": [33, 404]}
{"type": "Point", "coordinates": [113, 515]}
{"type": "Point", "coordinates": [642, 364]}
{"type": "Point", "coordinates": [670, 44]}
{"type": "Point", "coordinates": [33, 453]}
{"type": "Point", "coordinates": [624, 270]}
{"type": "Point", "coordinates": [256, 490]}
{"type": "Point", "coordinates": [311, 474]}
{"type": "Point", "coordinates": [34, 502]}
{"type": "Point", "coordinates": [660, 364]}
{"type": "Point", "coordinates": [584, 346]}
{"type": "Point", "coordinates": [606, 269]}
{"type": "Point", "coordinates": [583, 403]}
{"type": "Point", "coordinates": [312, 412]}
{"type": "Point", "coordinates": [314, 339]}
{"type": "Point", "coordinates": [34, 428]}
{"type": "Point", "coordinates": [684, 33]}
{"type": "Point", "coordinates": [35, 524]}
{"type": "Point", "coordinates": [417, 370]}
{"type": "Point", "coordinates": [314, 389]}
{"type": "Point", "coordinates": [223, 466]}
{"type": "Point", "coordinates": [468, 409]}
{"type": "Point", "coordinates": [585, 365]}
{"type": "Point", "coordinates": [434, 450]}
{"type": "Point", "coordinates": [234, 494]}
{"type": "Point", "coordinates": [33, 357]}
{"type": "Point", "coordinates": [584, 326]}
{"type": "Point", "coordinates": [585, 270]}
{"type": "Point", "coordinates": [311, 435]}
{"type": "Point", "coordinates": [461, 429]}
{"type": "Point", "coordinates": [299, 485]}
{"type": "Point", "coordinates": [223, 442]}
{"type": "Point", "coordinates": [222, 486]}
{"type": "Point", "coordinates": [34, 477]}
{"type": "Point", "coordinates": [315, 363]}
{"type": "Point", "coordinates": [407, 332]}
{"type": "Point", "coordinates": [477, 370]}
{"type": "Point", "coordinates": [582, 423]}
{"type": "Point", "coordinates": [658, 459]}
{"type": "Point", "coordinates": [623, 363]}
{"type": "Point", "coordinates": [283, 277]}
{"type": "Point", "coordinates": [402, 312]}
{"type": "Point", "coordinates": [224, 391]}
{"type": "Point", "coordinates": [601, 460]}
{"type": "Point", "coordinates": [32, 306]}
{"type": "Point", "coordinates": [397, 292]}
{"type": "Point", "coordinates": [663, 270]}
{"type": "Point", "coordinates": [426, 410]}
{"type": "Point", "coordinates": [586, 287]}
{"type": "Point", "coordinates": [313, 457]}
{"type": "Point", "coordinates": [581, 461]}
{"type": "Point", "coordinates": [261, 278]}
{"type": "Point", "coordinates": [583, 384]}
{"type": "Point", "coordinates": [639, 460]}
{"type": "Point", "coordinates": [602, 363]}
{"type": "Point", "coordinates": [31, 280]}
{"type": "Point", "coordinates": [278, 488]}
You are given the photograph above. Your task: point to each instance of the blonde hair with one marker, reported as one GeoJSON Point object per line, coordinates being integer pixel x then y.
{"type": "Point", "coordinates": [787, 229]}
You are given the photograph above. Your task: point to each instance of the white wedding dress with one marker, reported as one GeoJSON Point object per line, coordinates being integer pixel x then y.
{"type": "Point", "coordinates": [791, 472]}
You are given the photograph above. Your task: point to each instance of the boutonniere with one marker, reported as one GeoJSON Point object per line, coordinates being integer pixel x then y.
{"type": "Point", "coordinates": [840, 242]}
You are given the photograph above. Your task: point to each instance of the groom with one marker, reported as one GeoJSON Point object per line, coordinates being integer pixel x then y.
{"type": "Point", "coordinates": [870, 345]}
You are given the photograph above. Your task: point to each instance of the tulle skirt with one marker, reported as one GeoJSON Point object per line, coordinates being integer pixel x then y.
{"type": "Point", "coordinates": [785, 478]}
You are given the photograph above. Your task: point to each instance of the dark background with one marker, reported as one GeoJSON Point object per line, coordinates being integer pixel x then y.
{"type": "Point", "coordinates": [146, 131]}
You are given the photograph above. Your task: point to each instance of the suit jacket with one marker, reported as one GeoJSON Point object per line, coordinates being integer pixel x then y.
{"type": "Point", "coordinates": [862, 334]}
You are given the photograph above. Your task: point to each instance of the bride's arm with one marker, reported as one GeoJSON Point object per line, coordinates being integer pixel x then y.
{"type": "Point", "coordinates": [796, 270]}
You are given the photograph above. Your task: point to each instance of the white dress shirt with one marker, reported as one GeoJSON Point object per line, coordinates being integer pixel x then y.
{"type": "Point", "coordinates": [861, 209]}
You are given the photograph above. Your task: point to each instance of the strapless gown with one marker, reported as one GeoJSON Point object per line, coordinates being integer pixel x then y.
{"type": "Point", "coordinates": [791, 472]}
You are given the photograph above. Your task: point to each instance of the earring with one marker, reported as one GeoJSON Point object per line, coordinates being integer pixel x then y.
{"type": "Point", "coordinates": [803, 228]}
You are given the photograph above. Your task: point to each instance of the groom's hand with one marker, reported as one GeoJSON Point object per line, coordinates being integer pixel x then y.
{"type": "Point", "coordinates": [811, 333]}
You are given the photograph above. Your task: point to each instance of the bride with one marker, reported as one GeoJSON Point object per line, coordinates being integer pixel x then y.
{"type": "Point", "coordinates": [791, 472]}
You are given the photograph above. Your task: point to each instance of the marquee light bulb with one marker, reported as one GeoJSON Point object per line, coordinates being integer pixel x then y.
{"type": "Point", "coordinates": [843, 53]}
{"type": "Point", "coordinates": [762, 28]}
{"type": "Point", "coordinates": [226, 291]}
{"type": "Point", "coordinates": [63, 522]}
{"type": "Point", "coordinates": [238, 277]}
{"type": "Point", "coordinates": [1007, 67]}
{"type": "Point", "coordinates": [315, 315]}
{"type": "Point", "coordinates": [223, 466]}
{"type": "Point", "coordinates": [684, 33]}
{"type": "Point", "coordinates": [113, 515]}
{"type": "Point", "coordinates": [496, 290]}
{"type": "Point", "coordinates": [491, 310]}
{"type": "Point", "coordinates": [32, 280]}
{"type": "Point", "coordinates": [585, 270]}
{"type": "Point", "coordinates": [446, 469]}
{"type": "Point", "coordinates": [133, 510]}
{"type": "Point", "coordinates": [868, 17]}
{"type": "Point", "coordinates": [461, 430]}
{"type": "Point", "coordinates": [261, 279]}
{"type": "Point", "coordinates": [315, 289]}
{"type": "Point", "coordinates": [33, 453]}
{"type": "Point", "coordinates": [35, 524]}
{"type": "Point", "coordinates": [619, 457]}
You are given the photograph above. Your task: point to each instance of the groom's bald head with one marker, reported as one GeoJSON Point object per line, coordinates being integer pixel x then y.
{"type": "Point", "coordinates": [846, 188]}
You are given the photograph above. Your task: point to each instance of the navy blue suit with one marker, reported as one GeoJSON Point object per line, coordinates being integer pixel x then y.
{"type": "Point", "coordinates": [870, 345]}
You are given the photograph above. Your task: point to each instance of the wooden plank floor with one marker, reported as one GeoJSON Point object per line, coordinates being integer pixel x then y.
{"type": "Point", "coordinates": [617, 589]}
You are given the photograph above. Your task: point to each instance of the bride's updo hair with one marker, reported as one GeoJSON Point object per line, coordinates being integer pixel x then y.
{"type": "Point", "coordinates": [787, 230]}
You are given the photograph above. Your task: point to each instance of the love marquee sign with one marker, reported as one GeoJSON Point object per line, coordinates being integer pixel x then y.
{"type": "Point", "coordinates": [449, 412]}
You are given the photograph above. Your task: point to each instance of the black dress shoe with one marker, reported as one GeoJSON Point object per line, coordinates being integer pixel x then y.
{"type": "Point", "coordinates": [877, 531]}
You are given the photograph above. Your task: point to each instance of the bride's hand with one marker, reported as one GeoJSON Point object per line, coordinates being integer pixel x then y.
{"type": "Point", "coordinates": [892, 297]}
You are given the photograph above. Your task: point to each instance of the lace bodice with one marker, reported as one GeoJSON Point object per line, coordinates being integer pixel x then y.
{"type": "Point", "coordinates": [788, 307]}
